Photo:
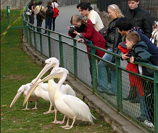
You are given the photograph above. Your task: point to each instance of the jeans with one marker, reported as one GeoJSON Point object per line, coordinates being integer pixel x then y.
{"type": "Point", "coordinates": [54, 18]}
{"type": "Point", "coordinates": [143, 109]}
{"type": "Point", "coordinates": [105, 73]}
{"type": "Point", "coordinates": [48, 23]}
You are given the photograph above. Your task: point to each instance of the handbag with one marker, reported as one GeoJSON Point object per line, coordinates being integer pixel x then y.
{"type": "Point", "coordinates": [55, 11]}
{"type": "Point", "coordinates": [42, 14]}
{"type": "Point", "coordinates": [28, 12]}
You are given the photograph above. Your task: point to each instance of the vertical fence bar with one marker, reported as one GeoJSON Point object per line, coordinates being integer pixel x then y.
{"type": "Point", "coordinates": [49, 47]}
{"type": "Point", "coordinates": [75, 57]}
{"type": "Point", "coordinates": [34, 34]}
{"type": "Point", "coordinates": [156, 101]}
{"type": "Point", "coordinates": [61, 51]}
{"type": "Point", "coordinates": [30, 41]}
{"type": "Point", "coordinates": [118, 84]}
{"type": "Point", "coordinates": [41, 48]}
{"type": "Point", "coordinates": [94, 69]}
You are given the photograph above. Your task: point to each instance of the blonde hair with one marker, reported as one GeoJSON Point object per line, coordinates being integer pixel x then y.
{"type": "Point", "coordinates": [77, 18]}
{"type": "Point", "coordinates": [116, 9]}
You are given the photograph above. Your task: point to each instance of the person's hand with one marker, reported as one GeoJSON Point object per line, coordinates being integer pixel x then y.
{"type": "Point", "coordinates": [125, 57]}
{"type": "Point", "coordinates": [131, 59]}
{"type": "Point", "coordinates": [81, 40]}
{"type": "Point", "coordinates": [75, 32]}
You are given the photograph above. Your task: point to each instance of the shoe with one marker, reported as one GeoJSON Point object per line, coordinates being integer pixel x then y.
{"type": "Point", "coordinates": [149, 124]}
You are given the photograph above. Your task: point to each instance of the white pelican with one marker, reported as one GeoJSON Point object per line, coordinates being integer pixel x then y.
{"type": "Point", "coordinates": [71, 106]}
{"type": "Point", "coordinates": [41, 91]}
{"type": "Point", "coordinates": [52, 63]}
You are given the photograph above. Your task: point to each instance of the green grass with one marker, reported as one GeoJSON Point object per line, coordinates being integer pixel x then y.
{"type": "Point", "coordinates": [16, 69]}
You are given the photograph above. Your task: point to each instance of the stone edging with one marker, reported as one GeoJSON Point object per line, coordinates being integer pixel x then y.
{"type": "Point", "coordinates": [119, 123]}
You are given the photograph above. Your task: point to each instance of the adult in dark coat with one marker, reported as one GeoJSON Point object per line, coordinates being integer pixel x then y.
{"type": "Point", "coordinates": [139, 17]}
{"type": "Point", "coordinates": [31, 6]}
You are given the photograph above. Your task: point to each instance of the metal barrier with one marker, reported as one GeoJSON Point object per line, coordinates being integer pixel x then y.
{"type": "Point", "coordinates": [73, 56]}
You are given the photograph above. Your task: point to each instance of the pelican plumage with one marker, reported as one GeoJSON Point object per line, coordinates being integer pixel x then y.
{"type": "Point", "coordinates": [52, 63]}
{"type": "Point", "coordinates": [41, 91]}
{"type": "Point", "coordinates": [71, 106]}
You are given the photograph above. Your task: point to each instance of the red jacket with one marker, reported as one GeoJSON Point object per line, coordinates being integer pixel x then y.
{"type": "Point", "coordinates": [135, 81]}
{"type": "Point", "coordinates": [97, 39]}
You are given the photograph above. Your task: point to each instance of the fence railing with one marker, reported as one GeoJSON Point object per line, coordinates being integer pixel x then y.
{"type": "Point", "coordinates": [85, 67]}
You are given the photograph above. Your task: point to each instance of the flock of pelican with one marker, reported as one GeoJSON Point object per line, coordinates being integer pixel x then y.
{"type": "Point", "coordinates": [60, 95]}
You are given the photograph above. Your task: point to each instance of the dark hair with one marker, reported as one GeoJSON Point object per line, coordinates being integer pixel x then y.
{"type": "Point", "coordinates": [84, 6]}
{"type": "Point", "coordinates": [49, 3]}
{"type": "Point", "coordinates": [40, 3]}
{"type": "Point", "coordinates": [134, 0]}
{"type": "Point", "coordinates": [123, 24]}
{"type": "Point", "coordinates": [54, 1]}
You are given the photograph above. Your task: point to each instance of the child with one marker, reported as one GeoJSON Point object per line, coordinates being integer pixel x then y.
{"type": "Point", "coordinates": [138, 51]}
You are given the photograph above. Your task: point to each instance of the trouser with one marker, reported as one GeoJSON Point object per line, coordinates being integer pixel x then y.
{"type": "Point", "coordinates": [39, 22]}
{"type": "Point", "coordinates": [105, 72]}
{"type": "Point", "coordinates": [48, 23]}
{"type": "Point", "coordinates": [31, 19]}
{"type": "Point", "coordinates": [54, 23]}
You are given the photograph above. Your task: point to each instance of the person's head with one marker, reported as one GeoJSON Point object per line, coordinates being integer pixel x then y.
{"type": "Point", "coordinates": [133, 4]}
{"type": "Point", "coordinates": [114, 11]}
{"type": "Point", "coordinates": [123, 25]}
{"type": "Point", "coordinates": [54, 1]}
{"type": "Point", "coordinates": [49, 3]}
{"type": "Point", "coordinates": [77, 20]}
{"type": "Point", "coordinates": [84, 8]}
{"type": "Point", "coordinates": [132, 38]}
{"type": "Point", "coordinates": [32, 2]}
{"type": "Point", "coordinates": [40, 3]}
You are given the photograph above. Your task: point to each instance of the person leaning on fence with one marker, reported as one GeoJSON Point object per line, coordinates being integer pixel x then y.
{"type": "Point", "coordinates": [113, 38]}
{"type": "Point", "coordinates": [139, 17]}
{"type": "Point", "coordinates": [49, 14]}
{"type": "Point", "coordinates": [31, 6]}
{"type": "Point", "coordinates": [154, 36]}
{"type": "Point", "coordinates": [39, 11]}
{"type": "Point", "coordinates": [84, 28]}
{"type": "Point", "coordinates": [55, 6]}
{"type": "Point", "coordinates": [124, 26]}
{"type": "Point", "coordinates": [138, 51]}
{"type": "Point", "coordinates": [85, 9]}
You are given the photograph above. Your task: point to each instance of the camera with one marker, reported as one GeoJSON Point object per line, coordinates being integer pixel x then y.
{"type": "Point", "coordinates": [72, 29]}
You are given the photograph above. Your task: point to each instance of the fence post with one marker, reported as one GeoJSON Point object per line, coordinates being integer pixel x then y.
{"type": "Point", "coordinates": [30, 40]}
{"type": "Point", "coordinates": [94, 69]}
{"type": "Point", "coordinates": [49, 43]}
{"type": "Point", "coordinates": [34, 34]}
{"type": "Point", "coordinates": [75, 57]}
{"type": "Point", "coordinates": [156, 101]}
{"type": "Point", "coordinates": [118, 84]}
{"type": "Point", "coordinates": [41, 48]}
{"type": "Point", "coordinates": [8, 14]}
{"type": "Point", "coordinates": [61, 51]}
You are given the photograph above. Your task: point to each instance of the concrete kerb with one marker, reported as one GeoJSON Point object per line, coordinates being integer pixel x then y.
{"type": "Point", "coordinates": [119, 123]}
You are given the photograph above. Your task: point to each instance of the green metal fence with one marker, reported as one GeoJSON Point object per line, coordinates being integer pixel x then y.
{"type": "Point", "coordinates": [73, 56]}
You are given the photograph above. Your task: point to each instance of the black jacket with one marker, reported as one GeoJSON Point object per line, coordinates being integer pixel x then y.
{"type": "Point", "coordinates": [113, 37]}
{"type": "Point", "coordinates": [140, 18]}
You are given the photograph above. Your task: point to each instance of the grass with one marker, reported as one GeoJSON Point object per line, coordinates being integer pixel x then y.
{"type": "Point", "coordinates": [16, 69]}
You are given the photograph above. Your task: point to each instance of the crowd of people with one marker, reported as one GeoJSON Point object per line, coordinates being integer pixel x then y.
{"type": "Point", "coordinates": [129, 35]}
{"type": "Point", "coordinates": [49, 13]}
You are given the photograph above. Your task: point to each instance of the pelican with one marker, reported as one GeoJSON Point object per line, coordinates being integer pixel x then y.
{"type": "Point", "coordinates": [65, 89]}
{"type": "Point", "coordinates": [41, 91]}
{"type": "Point", "coordinates": [71, 106]}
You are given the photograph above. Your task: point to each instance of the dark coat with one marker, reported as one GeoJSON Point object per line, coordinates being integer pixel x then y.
{"type": "Point", "coordinates": [140, 18]}
{"type": "Point", "coordinates": [112, 37]}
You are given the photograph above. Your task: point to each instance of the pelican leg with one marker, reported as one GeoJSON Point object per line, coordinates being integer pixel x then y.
{"type": "Point", "coordinates": [74, 119]}
{"type": "Point", "coordinates": [67, 124]}
{"type": "Point", "coordinates": [49, 110]}
{"type": "Point", "coordinates": [55, 118]}
{"type": "Point", "coordinates": [35, 105]}
{"type": "Point", "coordinates": [26, 107]}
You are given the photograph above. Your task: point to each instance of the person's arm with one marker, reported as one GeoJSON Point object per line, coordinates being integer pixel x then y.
{"type": "Point", "coordinates": [142, 55]}
{"type": "Point", "coordinates": [147, 25]}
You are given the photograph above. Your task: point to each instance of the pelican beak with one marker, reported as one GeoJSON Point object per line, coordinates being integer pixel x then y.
{"type": "Point", "coordinates": [15, 98]}
{"type": "Point", "coordinates": [50, 76]}
{"type": "Point", "coordinates": [35, 84]}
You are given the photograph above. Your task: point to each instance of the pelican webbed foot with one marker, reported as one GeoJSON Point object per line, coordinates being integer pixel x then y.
{"type": "Point", "coordinates": [48, 112]}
